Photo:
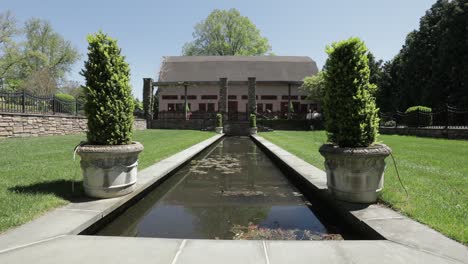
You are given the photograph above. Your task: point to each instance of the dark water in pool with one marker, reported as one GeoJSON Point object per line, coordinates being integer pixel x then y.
{"type": "Point", "coordinates": [230, 191]}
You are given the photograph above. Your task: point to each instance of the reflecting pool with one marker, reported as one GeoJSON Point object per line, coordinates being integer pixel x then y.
{"type": "Point", "coordinates": [232, 190]}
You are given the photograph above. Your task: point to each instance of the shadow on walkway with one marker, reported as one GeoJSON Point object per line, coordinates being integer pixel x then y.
{"type": "Point", "coordinates": [67, 189]}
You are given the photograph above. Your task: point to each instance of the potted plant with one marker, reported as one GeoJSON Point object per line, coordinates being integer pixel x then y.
{"type": "Point", "coordinates": [253, 124]}
{"type": "Point", "coordinates": [219, 123]}
{"type": "Point", "coordinates": [354, 163]}
{"type": "Point", "coordinates": [109, 158]}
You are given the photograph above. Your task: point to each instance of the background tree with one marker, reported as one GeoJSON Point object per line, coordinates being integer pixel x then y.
{"type": "Point", "coordinates": [44, 56]}
{"type": "Point", "coordinates": [40, 82]}
{"type": "Point", "coordinates": [72, 88]}
{"type": "Point", "coordinates": [7, 27]}
{"type": "Point", "coordinates": [9, 50]}
{"type": "Point", "coordinates": [314, 87]}
{"type": "Point", "coordinates": [388, 95]}
{"type": "Point", "coordinates": [226, 32]}
{"type": "Point", "coordinates": [46, 50]}
{"type": "Point", "coordinates": [375, 67]}
{"type": "Point", "coordinates": [430, 69]}
{"type": "Point", "coordinates": [138, 104]}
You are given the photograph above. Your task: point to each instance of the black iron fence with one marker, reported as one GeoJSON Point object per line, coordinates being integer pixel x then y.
{"type": "Point", "coordinates": [446, 117]}
{"type": "Point", "coordinates": [24, 102]}
{"type": "Point", "coordinates": [282, 115]}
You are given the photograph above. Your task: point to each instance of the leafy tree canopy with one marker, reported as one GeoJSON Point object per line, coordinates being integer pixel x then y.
{"type": "Point", "coordinates": [42, 56]}
{"type": "Point", "coordinates": [226, 33]}
{"type": "Point", "coordinates": [45, 48]}
{"type": "Point", "coordinates": [430, 69]}
{"type": "Point", "coordinates": [314, 86]}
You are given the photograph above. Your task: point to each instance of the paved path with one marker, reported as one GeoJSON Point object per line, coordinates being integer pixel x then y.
{"type": "Point", "coordinates": [95, 249]}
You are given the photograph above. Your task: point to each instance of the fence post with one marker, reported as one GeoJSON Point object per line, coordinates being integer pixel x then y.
{"type": "Point", "coordinates": [417, 124]}
{"type": "Point", "coordinates": [446, 116]}
{"type": "Point", "coordinates": [23, 102]}
{"type": "Point", "coordinates": [76, 106]}
{"type": "Point", "coordinates": [53, 104]}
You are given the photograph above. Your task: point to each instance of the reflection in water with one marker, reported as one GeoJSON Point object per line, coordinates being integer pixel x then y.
{"type": "Point", "coordinates": [230, 191]}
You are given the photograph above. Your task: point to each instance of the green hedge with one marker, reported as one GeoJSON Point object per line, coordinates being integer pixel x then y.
{"type": "Point", "coordinates": [418, 116]}
{"type": "Point", "coordinates": [418, 108]}
{"type": "Point", "coordinates": [66, 103]}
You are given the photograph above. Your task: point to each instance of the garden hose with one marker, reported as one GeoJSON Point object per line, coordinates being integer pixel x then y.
{"type": "Point", "coordinates": [398, 175]}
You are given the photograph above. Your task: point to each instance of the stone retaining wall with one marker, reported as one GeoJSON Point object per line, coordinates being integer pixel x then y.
{"type": "Point", "coordinates": [30, 125]}
{"type": "Point", "coordinates": [139, 124]}
{"type": "Point", "coordinates": [452, 133]}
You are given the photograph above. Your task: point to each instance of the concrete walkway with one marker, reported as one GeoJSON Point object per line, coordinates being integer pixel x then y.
{"type": "Point", "coordinates": [95, 249]}
{"type": "Point", "coordinates": [52, 238]}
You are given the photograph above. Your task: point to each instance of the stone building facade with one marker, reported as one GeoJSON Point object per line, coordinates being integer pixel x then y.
{"type": "Point", "coordinates": [273, 74]}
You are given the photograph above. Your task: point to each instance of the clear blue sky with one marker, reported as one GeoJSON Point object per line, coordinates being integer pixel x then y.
{"type": "Point", "coordinates": [149, 29]}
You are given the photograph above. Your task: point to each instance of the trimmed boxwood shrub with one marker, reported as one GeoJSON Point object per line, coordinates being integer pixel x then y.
{"type": "Point", "coordinates": [109, 103]}
{"type": "Point", "coordinates": [64, 97]}
{"type": "Point", "coordinates": [66, 103]}
{"type": "Point", "coordinates": [418, 108]}
{"type": "Point", "coordinates": [219, 120]}
{"type": "Point", "coordinates": [253, 120]}
{"type": "Point", "coordinates": [390, 123]}
{"type": "Point", "coordinates": [352, 116]}
{"type": "Point", "coordinates": [418, 116]}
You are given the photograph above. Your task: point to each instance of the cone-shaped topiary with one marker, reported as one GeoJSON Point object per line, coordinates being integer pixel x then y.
{"type": "Point", "coordinates": [349, 105]}
{"type": "Point", "coordinates": [109, 104]}
{"type": "Point", "coordinates": [253, 120]}
{"type": "Point", "coordinates": [219, 120]}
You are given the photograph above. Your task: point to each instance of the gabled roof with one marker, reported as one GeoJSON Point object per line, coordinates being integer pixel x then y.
{"type": "Point", "coordinates": [236, 68]}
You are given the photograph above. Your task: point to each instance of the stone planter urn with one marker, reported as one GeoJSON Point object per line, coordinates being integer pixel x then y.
{"type": "Point", "coordinates": [109, 170]}
{"type": "Point", "coordinates": [219, 130]}
{"type": "Point", "coordinates": [355, 174]}
{"type": "Point", "coordinates": [253, 130]}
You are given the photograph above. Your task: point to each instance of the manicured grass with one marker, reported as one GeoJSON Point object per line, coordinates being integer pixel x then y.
{"type": "Point", "coordinates": [36, 174]}
{"type": "Point", "coordinates": [435, 172]}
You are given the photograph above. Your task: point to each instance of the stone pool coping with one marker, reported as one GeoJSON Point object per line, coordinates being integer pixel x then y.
{"type": "Point", "coordinates": [76, 217]}
{"type": "Point", "coordinates": [52, 238]}
{"type": "Point", "coordinates": [391, 225]}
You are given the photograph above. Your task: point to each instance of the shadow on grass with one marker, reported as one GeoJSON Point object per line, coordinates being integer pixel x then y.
{"type": "Point", "coordinates": [66, 189]}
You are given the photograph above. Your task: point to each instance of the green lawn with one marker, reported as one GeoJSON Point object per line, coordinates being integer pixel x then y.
{"type": "Point", "coordinates": [37, 173]}
{"type": "Point", "coordinates": [435, 172]}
